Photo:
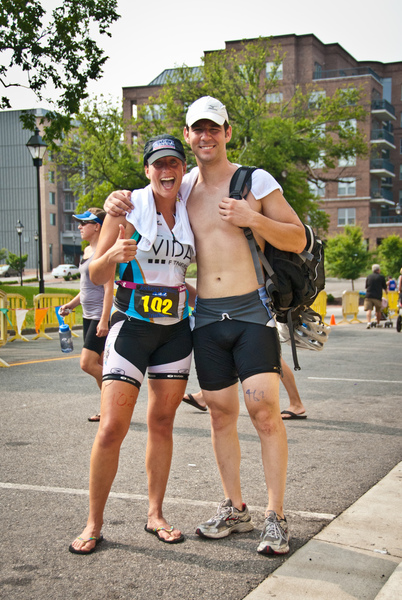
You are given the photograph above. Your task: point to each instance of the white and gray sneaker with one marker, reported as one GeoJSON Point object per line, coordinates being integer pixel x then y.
{"type": "Point", "coordinates": [227, 520]}
{"type": "Point", "coordinates": [274, 536]}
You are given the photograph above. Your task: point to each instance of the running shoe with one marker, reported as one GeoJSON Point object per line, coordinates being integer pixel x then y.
{"type": "Point", "coordinates": [227, 520]}
{"type": "Point", "coordinates": [274, 536]}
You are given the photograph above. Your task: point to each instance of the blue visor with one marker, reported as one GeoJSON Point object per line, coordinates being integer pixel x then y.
{"type": "Point", "coordinates": [88, 216]}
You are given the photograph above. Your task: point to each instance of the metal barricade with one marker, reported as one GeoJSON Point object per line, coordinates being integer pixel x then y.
{"type": "Point", "coordinates": [49, 302]}
{"type": "Point", "coordinates": [350, 306]}
{"type": "Point", "coordinates": [320, 304]}
{"type": "Point", "coordinates": [3, 324]}
{"type": "Point", "coordinates": [15, 302]}
{"type": "Point", "coordinates": [392, 298]}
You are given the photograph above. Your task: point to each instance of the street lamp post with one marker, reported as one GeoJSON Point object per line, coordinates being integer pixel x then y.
{"type": "Point", "coordinates": [74, 247]}
{"type": "Point", "coordinates": [36, 237]}
{"type": "Point", "coordinates": [20, 228]}
{"type": "Point", "coordinates": [37, 148]}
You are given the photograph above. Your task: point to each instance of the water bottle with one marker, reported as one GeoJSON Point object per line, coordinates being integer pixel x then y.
{"type": "Point", "coordinates": [66, 340]}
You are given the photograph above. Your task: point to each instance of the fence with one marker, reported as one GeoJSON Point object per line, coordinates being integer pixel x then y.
{"type": "Point", "coordinates": [49, 302]}
{"type": "Point", "coordinates": [15, 302]}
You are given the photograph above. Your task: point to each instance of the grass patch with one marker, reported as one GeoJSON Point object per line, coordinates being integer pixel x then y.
{"type": "Point", "coordinates": [29, 292]}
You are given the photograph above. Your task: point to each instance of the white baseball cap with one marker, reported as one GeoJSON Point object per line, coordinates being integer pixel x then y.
{"type": "Point", "coordinates": [207, 108]}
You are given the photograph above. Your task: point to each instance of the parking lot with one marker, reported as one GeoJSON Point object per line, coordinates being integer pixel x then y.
{"type": "Point", "coordinates": [350, 440]}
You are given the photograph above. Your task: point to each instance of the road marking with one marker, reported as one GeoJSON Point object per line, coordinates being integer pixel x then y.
{"type": "Point", "coordinates": [32, 362]}
{"type": "Point", "coordinates": [359, 380]}
{"type": "Point", "coordinates": [142, 498]}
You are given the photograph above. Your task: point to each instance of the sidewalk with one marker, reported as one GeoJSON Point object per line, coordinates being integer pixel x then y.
{"type": "Point", "coordinates": [359, 555]}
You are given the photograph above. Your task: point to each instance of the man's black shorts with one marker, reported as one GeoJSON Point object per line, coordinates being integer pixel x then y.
{"type": "Point", "coordinates": [227, 350]}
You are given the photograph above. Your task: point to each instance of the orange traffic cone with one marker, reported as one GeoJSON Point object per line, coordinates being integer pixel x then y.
{"type": "Point", "coordinates": [332, 321]}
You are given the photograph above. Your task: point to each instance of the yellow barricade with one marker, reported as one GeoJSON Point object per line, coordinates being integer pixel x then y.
{"type": "Point", "coordinates": [350, 306]}
{"type": "Point", "coordinates": [320, 304]}
{"type": "Point", "coordinates": [3, 324]}
{"type": "Point", "coordinates": [392, 298]}
{"type": "Point", "coordinates": [50, 301]}
{"type": "Point", "coordinates": [15, 301]}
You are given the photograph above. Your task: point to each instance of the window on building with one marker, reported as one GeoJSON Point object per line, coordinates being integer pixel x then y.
{"type": "Point", "coordinates": [52, 197]}
{"type": "Point", "coordinates": [271, 67]}
{"type": "Point", "coordinates": [346, 216]}
{"type": "Point", "coordinates": [348, 125]}
{"type": "Point", "coordinates": [154, 112]}
{"type": "Point", "coordinates": [317, 189]}
{"type": "Point", "coordinates": [400, 172]}
{"type": "Point", "coordinates": [349, 101]}
{"type": "Point", "coordinates": [347, 187]}
{"type": "Point", "coordinates": [400, 197]}
{"type": "Point", "coordinates": [52, 219]}
{"type": "Point", "coordinates": [69, 203]}
{"type": "Point", "coordinates": [317, 70]}
{"type": "Point", "coordinates": [316, 98]}
{"type": "Point", "coordinates": [134, 140]}
{"type": "Point", "coordinates": [52, 178]}
{"type": "Point", "coordinates": [400, 120]}
{"type": "Point", "coordinates": [319, 163]}
{"type": "Point", "coordinates": [400, 146]}
{"type": "Point", "coordinates": [50, 156]}
{"type": "Point", "coordinates": [274, 97]}
{"type": "Point", "coordinates": [387, 89]}
{"type": "Point", "coordinates": [347, 161]}
{"type": "Point", "coordinates": [134, 110]}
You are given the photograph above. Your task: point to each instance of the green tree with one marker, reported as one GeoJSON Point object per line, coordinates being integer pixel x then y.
{"type": "Point", "coordinates": [16, 263]}
{"type": "Point", "coordinates": [3, 254]}
{"type": "Point", "coordinates": [55, 48]}
{"type": "Point", "coordinates": [390, 255]}
{"type": "Point", "coordinates": [285, 138]}
{"type": "Point", "coordinates": [346, 256]}
{"type": "Point", "coordinates": [94, 157]}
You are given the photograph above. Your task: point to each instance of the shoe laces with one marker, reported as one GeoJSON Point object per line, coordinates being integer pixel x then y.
{"type": "Point", "coordinates": [223, 512]}
{"type": "Point", "coordinates": [272, 528]}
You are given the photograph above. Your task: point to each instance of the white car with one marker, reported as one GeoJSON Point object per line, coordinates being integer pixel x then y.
{"type": "Point", "coordinates": [65, 271]}
{"type": "Point", "coordinates": [7, 271]}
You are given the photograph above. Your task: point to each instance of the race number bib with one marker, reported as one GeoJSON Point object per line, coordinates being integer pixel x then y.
{"type": "Point", "coordinates": [152, 301]}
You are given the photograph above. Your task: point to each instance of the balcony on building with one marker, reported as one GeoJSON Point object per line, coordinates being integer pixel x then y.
{"type": "Point", "coordinates": [382, 167]}
{"type": "Point", "coordinates": [382, 138]}
{"type": "Point", "coordinates": [388, 220]}
{"type": "Point", "coordinates": [382, 195]}
{"type": "Point", "coordinates": [342, 73]}
{"type": "Point", "coordinates": [383, 110]}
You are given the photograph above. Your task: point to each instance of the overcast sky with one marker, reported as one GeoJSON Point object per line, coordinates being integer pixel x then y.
{"type": "Point", "coordinates": [158, 35]}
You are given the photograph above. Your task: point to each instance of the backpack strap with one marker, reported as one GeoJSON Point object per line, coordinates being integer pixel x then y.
{"type": "Point", "coordinates": [240, 185]}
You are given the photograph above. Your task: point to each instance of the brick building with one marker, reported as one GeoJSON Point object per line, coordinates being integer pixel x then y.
{"type": "Point", "coordinates": [370, 194]}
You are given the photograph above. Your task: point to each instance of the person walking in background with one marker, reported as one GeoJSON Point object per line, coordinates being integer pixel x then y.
{"type": "Point", "coordinates": [375, 284]}
{"type": "Point", "coordinates": [96, 300]}
{"type": "Point", "coordinates": [391, 284]}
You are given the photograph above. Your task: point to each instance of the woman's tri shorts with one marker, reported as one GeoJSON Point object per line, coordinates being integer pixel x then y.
{"type": "Point", "coordinates": [133, 346]}
{"type": "Point", "coordinates": [91, 340]}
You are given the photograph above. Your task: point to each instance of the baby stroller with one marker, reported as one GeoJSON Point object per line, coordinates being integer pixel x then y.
{"type": "Point", "coordinates": [385, 315]}
{"type": "Point", "coordinates": [399, 317]}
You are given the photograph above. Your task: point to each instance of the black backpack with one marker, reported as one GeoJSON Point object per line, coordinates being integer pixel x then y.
{"type": "Point", "coordinates": [292, 280]}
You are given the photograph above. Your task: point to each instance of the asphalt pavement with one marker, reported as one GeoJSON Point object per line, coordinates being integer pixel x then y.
{"type": "Point", "coordinates": [343, 499]}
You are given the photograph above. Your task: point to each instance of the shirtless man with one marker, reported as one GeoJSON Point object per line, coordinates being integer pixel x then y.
{"type": "Point", "coordinates": [235, 334]}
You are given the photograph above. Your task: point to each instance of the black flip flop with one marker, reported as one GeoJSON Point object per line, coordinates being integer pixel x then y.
{"type": "Point", "coordinates": [155, 531]}
{"type": "Point", "coordinates": [82, 552]}
{"type": "Point", "coordinates": [292, 415]}
{"type": "Point", "coordinates": [193, 402]}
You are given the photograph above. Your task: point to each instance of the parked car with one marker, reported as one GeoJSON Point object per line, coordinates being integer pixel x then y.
{"type": "Point", "coordinates": [7, 271]}
{"type": "Point", "coordinates": [65, 271]}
